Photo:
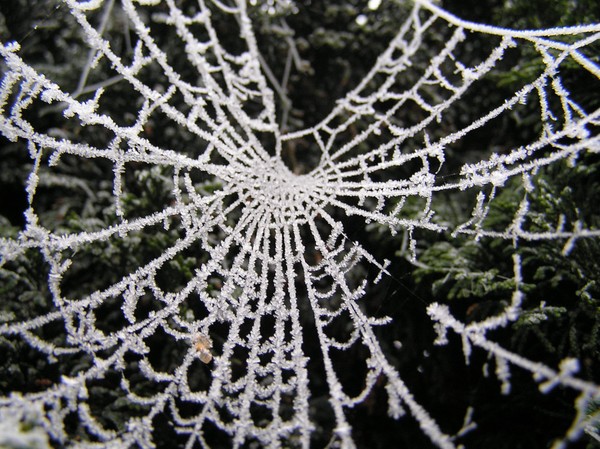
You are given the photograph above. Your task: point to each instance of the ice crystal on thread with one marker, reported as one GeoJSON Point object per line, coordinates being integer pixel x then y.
{"type": "Point", "coordinates": [271, 241]}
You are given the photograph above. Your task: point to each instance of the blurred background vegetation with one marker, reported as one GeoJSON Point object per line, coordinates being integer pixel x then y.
{"type": "Point", "coordinates": [561, 315]}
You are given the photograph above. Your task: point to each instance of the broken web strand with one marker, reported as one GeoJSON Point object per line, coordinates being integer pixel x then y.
{"type": "Point", "coordinates": [474, 334]}
{"type": "Point", "coordinates": [419, 186]}
{"type": "Point", "coordinates": [515, 232]}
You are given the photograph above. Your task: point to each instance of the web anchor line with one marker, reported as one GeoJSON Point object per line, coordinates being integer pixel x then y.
{"type": "Point", "coordinates": [190, 280]}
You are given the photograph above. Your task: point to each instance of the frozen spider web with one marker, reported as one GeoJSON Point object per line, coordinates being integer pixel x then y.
{"type": "Point", "coordinates": [272, 243]}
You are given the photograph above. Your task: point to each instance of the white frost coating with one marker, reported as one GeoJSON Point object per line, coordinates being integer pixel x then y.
{"type": "Point", "coordinates": [273, 240]}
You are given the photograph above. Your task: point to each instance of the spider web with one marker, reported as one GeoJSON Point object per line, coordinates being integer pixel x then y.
{"type": "Point", "coordinates": [273, 245]}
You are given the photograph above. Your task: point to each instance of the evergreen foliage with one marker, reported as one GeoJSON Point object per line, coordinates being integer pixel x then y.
{"type": "Point", "coordinates": [474, 276]}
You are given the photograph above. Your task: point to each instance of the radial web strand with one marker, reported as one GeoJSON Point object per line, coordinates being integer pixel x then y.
{"type": "Point", "coordinates": [194, 263]}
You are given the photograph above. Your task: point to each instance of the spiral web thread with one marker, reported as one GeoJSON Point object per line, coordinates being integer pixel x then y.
{"type": "Point", "coordinates": [272, 241]}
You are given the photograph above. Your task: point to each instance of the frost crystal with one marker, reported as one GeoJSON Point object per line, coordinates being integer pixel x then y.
{"type": "Point", "coordinates": [278, 282]}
